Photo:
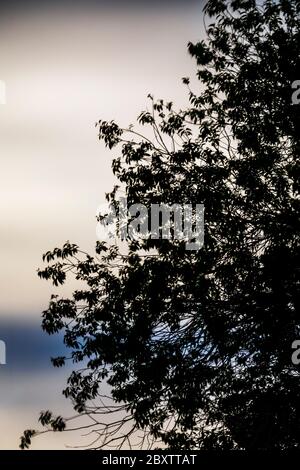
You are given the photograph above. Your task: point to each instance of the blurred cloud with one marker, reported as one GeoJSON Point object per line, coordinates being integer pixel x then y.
{"type": "Point", "coordinates": [65, 65]}
{"type": "Point", "coordinates": [64, 72]}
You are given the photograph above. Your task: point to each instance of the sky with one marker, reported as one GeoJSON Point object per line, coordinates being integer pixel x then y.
{"type": "Point", "coordinates": [65, 65]}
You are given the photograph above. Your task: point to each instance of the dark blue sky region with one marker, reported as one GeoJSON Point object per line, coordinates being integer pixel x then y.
{"type": "Point", "coordinates": [28, 348]}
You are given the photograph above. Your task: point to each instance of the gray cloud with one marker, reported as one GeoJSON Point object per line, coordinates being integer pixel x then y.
{"type": "Point", "coordinates": [119, 5]}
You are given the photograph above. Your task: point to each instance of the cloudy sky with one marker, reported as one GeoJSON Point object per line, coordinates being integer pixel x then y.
{"type": "Point", "coordinates": [67, 64]}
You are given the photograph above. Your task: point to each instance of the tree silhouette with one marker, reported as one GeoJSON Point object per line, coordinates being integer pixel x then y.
{"type": "Point", "coordinates": [196, 346]}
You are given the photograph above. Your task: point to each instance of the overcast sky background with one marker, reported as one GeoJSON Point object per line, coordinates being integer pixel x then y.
{"type": "Point", "coordinates": [67, 64]}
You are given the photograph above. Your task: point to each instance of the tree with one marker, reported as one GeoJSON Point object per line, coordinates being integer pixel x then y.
{"type": "Point", "coordinates": [196, 345]}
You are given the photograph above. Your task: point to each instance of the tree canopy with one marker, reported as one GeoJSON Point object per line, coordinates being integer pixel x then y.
{"type": "Point", "coordinates": [195, 346]}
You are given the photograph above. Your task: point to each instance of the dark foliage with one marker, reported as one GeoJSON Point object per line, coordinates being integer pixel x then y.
{"type": "Point", "coordinates": [196, 346]}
